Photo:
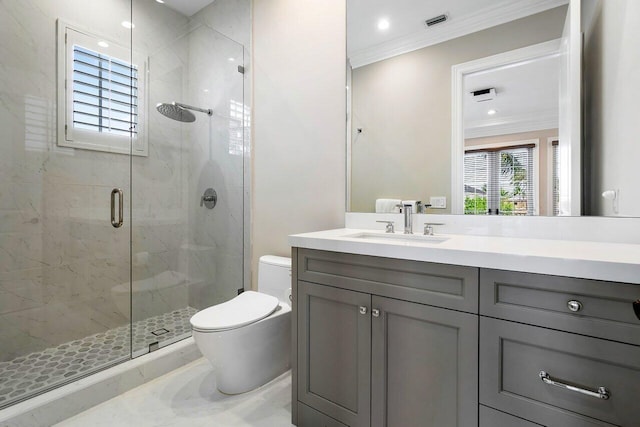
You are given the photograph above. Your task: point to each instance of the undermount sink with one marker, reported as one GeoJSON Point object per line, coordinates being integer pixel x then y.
{"type": "Point", "coordinates": [415, 238]}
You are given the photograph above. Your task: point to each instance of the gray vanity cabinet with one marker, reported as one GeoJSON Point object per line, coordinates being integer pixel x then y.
{"type": "Point", "coordinates": [365, 359]}
{"type": "Point", "coordinates": [397, 343]}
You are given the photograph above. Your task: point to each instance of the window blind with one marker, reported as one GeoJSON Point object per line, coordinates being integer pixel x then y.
{"type": "Point", "coordinates": [105, 93]}
{"type": "Point", "coordinates": [499, 181]}
{"type": "Point", "coordinates": [476, 183]}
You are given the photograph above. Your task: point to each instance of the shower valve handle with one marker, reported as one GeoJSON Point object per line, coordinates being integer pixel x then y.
{"type": "Point", "coordinates": [209, 198]}
{"type": "Point", "coordinates": [206, 199]}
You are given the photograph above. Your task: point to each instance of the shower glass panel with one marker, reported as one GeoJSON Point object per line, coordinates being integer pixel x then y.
{"type": "Point", "coordinates": [107, 241]}
{"type": "Point", "coordinates": [186, 256]}
{"type": "Point", "coordinates": [60, 256]}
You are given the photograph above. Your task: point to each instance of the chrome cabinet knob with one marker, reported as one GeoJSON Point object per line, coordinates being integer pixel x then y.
{"type": "Point", "coordinates": [574, 306]}
{"type": "Point", "coordinates": [363, 310]}
{"type": "Point", "coordinates": [375, 312]}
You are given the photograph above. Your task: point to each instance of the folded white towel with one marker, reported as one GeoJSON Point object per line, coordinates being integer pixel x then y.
{"type": "Point", "coordinates": [387, 205]}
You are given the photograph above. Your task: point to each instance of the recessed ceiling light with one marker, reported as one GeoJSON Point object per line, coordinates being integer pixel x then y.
{"type": "Point", "coordinates": [103, 43]}
{"type": "Point", "coordinates": [160, 1]}
{"type": "Point", "coordinates": [492, 112]}
{"type": "Point", "coordinates": [232, 59]}
{"type": "Point", "coordinates": [128, 25]}
{"type": "Point", "coordinates": [383, 24]}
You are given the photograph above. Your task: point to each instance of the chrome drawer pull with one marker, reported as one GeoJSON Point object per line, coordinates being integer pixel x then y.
{"type": "Point", "coordinates": [601, 393]}
{"type": "Point", "coordinates": [574, 306]}
{"type": "Point", "coordinates": [363, 309]}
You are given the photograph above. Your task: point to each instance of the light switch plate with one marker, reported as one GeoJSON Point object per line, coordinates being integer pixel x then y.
{"type": "Point", "coordinates": [438, 202]}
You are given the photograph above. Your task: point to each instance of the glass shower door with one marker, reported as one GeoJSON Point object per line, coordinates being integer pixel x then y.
{"type": "Point", "coordinates": [67, 101]}
{"type": "Point", "coordinates": [188, 194]}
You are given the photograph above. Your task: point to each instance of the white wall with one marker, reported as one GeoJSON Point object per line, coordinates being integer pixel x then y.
{"type": "Point", "coordinates": [612, 88]}
{"type": "Point", "coordinates": [298, 180]}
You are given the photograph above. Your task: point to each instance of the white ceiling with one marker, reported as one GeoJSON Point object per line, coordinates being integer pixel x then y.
{"type": "Point", "coordinates": [405, 16]}
{"type": "Point", "coordinates": [527, 93]}
{"type": "Point", "coordinates": [366, 44]}
{"type": "Point", "coordinates": [187, 7]}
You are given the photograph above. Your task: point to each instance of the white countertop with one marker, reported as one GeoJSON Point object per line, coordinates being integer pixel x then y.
{"type": "Point", "coordinates": [619, 262]}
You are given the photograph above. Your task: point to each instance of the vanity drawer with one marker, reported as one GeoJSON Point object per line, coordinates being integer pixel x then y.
{"type": "Point", "coordinates": [605, 308]}
{"type": "Point", "coordinates": [513, 355]}
{"type": "Point", "coordinates": [447, 286]}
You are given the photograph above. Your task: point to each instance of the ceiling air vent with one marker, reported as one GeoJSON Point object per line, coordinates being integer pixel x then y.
{"type": "Point", "coordinates": [482, 95]}
{"type": "Point", "coordinates": [436, 20]}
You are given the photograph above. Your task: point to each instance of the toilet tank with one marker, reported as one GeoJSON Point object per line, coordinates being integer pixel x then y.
{"type": "Point", "coordinates": [274, 276]}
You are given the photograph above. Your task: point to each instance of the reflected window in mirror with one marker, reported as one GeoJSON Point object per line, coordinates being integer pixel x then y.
{"type": "Point", "coordinates": [500, 181]}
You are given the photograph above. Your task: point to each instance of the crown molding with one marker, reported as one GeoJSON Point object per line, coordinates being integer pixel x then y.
{"type": "Point", "coordinates": [500, 13]}
{"type": "Point", "coordinates": [541, 120]}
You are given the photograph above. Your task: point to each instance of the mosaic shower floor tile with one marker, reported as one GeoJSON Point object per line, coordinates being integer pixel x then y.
{"type": "Point", "coordinates": [37, 372]}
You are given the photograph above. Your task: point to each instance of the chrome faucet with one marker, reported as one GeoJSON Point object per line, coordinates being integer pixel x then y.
{"type": "Point", "coordinates": [407, 209]}
{"type": "Point", "coordinates": [428, 227]}
{"type": "Point", "coordinates": [389, 227]}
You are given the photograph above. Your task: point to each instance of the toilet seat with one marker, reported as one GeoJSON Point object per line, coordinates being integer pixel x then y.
{"type": "Point", "coordinates": [246, 308]}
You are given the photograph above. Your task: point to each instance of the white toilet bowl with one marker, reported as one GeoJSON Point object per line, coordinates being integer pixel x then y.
{"type": "Point", "coordinates": [248, 339]}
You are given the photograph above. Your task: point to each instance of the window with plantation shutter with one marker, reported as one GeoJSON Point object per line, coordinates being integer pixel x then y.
{"type": "Point", "coordinates": [101, 105]}
{"type": "Point", "coordinates": [499, 181]}
{"type": "Point", "coordinates": [105, 97]}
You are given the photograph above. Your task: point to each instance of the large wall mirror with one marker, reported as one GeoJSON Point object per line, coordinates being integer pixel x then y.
{"type": "Point", "coordinates": [485, 107]}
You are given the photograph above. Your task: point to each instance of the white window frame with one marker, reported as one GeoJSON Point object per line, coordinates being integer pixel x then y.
{"type": "Point", "coordinates": [550, 175]}
{"type": "Point", "coordinates": [68, 136]}
{"type": "Point", "coordinates": [536, 165]}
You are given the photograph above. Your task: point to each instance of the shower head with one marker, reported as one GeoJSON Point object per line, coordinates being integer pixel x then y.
{"type": "Point", "coordinates": [180, 112]}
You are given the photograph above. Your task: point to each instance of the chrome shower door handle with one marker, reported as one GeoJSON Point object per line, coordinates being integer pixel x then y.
{"type": "Point", "coordinates": [117, 223]}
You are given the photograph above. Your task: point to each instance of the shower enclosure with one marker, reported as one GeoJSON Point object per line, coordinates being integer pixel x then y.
{"type": "Point", "coordinates": [117, 223]}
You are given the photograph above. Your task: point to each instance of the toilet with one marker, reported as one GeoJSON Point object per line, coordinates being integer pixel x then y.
{"type": "Point", "coordinates": [248, 339]}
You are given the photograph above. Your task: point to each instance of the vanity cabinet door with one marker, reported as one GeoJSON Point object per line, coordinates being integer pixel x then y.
{"type": "Point", "coordinates": [334, 352]}
{"type": "Point", "coordinates": [424, 366]}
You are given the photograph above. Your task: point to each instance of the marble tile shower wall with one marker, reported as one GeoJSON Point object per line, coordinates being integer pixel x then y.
{"type": "Point", "coordinates": [61, 262]}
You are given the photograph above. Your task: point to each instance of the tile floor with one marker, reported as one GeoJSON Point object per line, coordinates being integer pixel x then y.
{"type": "Point", "coordinates": [28, 375]}
{"type": "Point", "coordinates": [188, 397]}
